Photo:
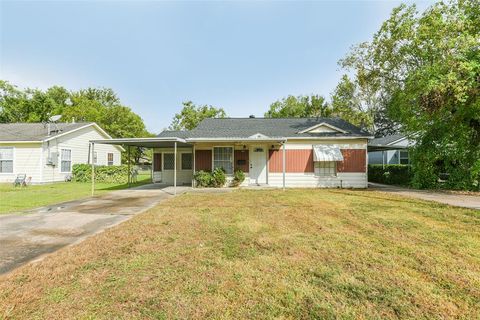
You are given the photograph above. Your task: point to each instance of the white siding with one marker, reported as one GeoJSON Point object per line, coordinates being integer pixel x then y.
{"type": "Point", "coordinates": [26, 159]}
{"type": "Point", "coordinates": [184, 177]}
{"type": "Point", "coordinates": [78, 142]}
{"type": "Point", "coordinates": [310, 180]}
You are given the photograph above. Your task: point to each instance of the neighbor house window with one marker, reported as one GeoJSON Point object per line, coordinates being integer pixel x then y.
{"type": "Point", "coordinates": [65, 160]}
{"type": "Point", "coordinates": [186, 161]}
{"type": "Point", "coordinates": [325, 168]}
{"type": "Point", "coordinates": [404, 157]}
{"type": "Point", "coordinates": [110, 159]}
{"type": "Point", "coordinates": [95, 157]}
{"type": "Point", "coordinates": [168, 161]}
{"type": "Point", "coordinates": [223, 158]}
{"type": "Point", "coordinates": [6, 160]}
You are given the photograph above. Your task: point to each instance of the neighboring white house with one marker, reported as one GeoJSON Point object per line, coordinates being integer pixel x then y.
{"type": "Point", "coordinates": [391, 149]}
{"type": "Point", "coordinates": [47, 152]}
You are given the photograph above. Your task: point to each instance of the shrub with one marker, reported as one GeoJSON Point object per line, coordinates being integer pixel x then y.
{"type": "Point", "coordinates": [218, 178]}
{"type": "Point", "coordinates": [214, 179]}
{"type": "Point", "coordinates": [105, 174]}
{"type": "Point", "coordinates": [238, 178]}
{"type": "Point", "coordinates": [203, 178]}
{"type": "Point", "coordinates": [398, 174]}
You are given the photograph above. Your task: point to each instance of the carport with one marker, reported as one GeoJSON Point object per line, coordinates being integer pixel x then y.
{"type": "Point", "coordinates": [157, 142]}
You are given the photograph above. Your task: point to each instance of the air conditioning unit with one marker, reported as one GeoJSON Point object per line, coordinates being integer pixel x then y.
{"type": "Point", "coordinates": [52, 159]}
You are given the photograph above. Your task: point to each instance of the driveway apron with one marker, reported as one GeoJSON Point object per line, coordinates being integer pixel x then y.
{"type": "Point", "coordinates": [28, 236]}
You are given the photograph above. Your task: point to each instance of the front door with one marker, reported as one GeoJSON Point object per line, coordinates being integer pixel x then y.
{"type": "Point", "coordinates": [258, 165]}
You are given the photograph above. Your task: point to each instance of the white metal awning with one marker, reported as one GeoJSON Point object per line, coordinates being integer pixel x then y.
{"type": "Point", "coordinates": [326, 153]}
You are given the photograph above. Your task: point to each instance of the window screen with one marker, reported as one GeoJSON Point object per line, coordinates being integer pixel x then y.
{"type": "Point", "coordinates": [6, 160]}
{"type": "Point", "coordinates": [404, 157]}
{"type": "Point", "coordinates": [325, 168]}
{"type": "Point", "coordinates": [223, 158]}
{"type": "Point", "coordinates": [186, 161]}
{"type": "Point", "coordinates": [65, 160]}
{"type": "Point", "coordinates": [110, 159]}
{"type": "Point", "coordinates": [168, 161]}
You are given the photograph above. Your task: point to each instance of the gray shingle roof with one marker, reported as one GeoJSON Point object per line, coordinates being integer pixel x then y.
{"type": "Point", "coordinates": [383, 141]}
{"type": "Point", "coordinates": [270, 127]}
{"type": "Point", "coordinates": [34, 131]}
{"type": "Point", "coordinates": [173, 133]}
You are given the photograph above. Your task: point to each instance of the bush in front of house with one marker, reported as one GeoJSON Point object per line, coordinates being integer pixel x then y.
{"type": "Point", "coordinates": [218, 178]}
{"type": "Point", "coordinates": [397, 174]}
{"type": "Point", "coordinates": [238, 178]}
{"type": "Point", "coordinates": [203, 178]}
{"type": "Point", "coordinates": [207, 179]}
{"type": "Point", "coordinates": [105, 174]}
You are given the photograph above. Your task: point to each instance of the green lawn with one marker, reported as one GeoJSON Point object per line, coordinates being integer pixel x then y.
{"type": "Point", "coordinates": [19, 199]}
{"type": "Point", "coordinates": [264, 254]}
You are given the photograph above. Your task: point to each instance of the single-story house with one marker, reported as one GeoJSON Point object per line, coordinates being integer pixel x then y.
{"type": "Point", "coordinates": [279, 152]}
{"type": "Point", "coordinates": [392, 149]}
{"type": "Point", "coordinates": [47, 152]}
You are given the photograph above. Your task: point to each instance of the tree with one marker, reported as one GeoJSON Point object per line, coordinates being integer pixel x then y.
{"type": "Point", "coordinates": [191, 115]}
{"type": "Point", "coordinates": [298, 107]}
{"type": "Point", "coordinates": [354, 104]}
{"type": "Point", "coordinates": [427, 66]}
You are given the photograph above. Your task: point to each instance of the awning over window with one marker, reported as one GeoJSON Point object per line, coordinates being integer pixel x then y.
{"type": "Point", "coordinates": [326, 153]}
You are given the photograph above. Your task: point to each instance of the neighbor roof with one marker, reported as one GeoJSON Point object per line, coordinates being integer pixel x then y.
{"type": "Point", "coordinates": [243, 128]}
{"type": "Point", "coordinates": [35, 132]}
{"type": "Point", "coordinates": [387, 140]}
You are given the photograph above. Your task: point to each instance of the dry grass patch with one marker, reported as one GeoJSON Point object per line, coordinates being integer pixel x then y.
{"type": "Point", "coordinates": [264, 254]}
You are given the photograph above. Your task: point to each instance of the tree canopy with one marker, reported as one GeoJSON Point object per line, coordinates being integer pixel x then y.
{"type": "Point", "coordinates": [191, 115]}
{"type": "Point", "coordinates": [299, 106]}
{"type": "Point", "coordinates": [425, 67]}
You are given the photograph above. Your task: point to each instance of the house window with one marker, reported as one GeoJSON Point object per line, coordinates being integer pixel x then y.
{"type": "Point", "coordinates": [95, 157]}
{"type": "Point", "coordinates": [6, 160]}
{"type": "Point", "coordinates": [325, 168]}
{"type": "Point", "coordinates": [186, 161]}
{"type": "Point", "coordinates": [403, 157]}
{"type": "Point", "coordinates": [110, 159]}
{"type": "Point", "coordinates": [65, 160]}
{"type": "Point", "coordinates": [168, 161]}
{"type": "Point", "coordinates": [223, 158]}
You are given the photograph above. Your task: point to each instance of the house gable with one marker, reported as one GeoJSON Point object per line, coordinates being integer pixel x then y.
{"type": "Point", "coordinates": [322, 128]}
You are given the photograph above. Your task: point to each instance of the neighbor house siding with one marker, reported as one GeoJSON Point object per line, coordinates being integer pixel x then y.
{"type": "Point", "coordinates": [77, 141]}
{"type": "Point", "coordinates": [26, 160]}
{"type": "Point", "coordinates": [354, 160]}
{"type": "Point", "coordinates": [203, 160]}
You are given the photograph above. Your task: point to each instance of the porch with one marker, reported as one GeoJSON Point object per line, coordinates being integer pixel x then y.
{"type": "Point", "coordinates": [175, 160]}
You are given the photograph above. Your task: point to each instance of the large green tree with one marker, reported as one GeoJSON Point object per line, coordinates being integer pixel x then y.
{"type": "Point", "coordinates": [191, 115]}
{"type": "Point", "coordinates": [352, 103]}
{"type": "Point", "coordinates": [299, 106]}
{"type": "Point", "coordinates": [427, 67]}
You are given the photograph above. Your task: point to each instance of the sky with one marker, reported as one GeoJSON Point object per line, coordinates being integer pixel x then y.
{"type": "Point", "coordinates": [240, 56]}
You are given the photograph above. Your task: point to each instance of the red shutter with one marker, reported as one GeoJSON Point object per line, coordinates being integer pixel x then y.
{"type": "Point", "coordinates": [241, 155]}
{"type": "Point", "coordinates": [203, 160]}
{"type": "Point", "coordinates": [157, 162]}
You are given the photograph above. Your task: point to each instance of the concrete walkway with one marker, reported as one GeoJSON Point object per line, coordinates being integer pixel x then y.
{"type": "Point", "coordinates": [27, 237]}
{"type": "Point", "coordinates": [458, 200]}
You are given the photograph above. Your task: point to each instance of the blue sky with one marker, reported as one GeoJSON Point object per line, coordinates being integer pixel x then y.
{"type": "Point", "coordinates": [241, 56]}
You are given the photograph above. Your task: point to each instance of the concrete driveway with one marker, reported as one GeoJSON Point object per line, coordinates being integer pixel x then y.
{"type": "Point", "coordinates": [26, 237]}
{"type": "Point", "coordinates": [458, 200]}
